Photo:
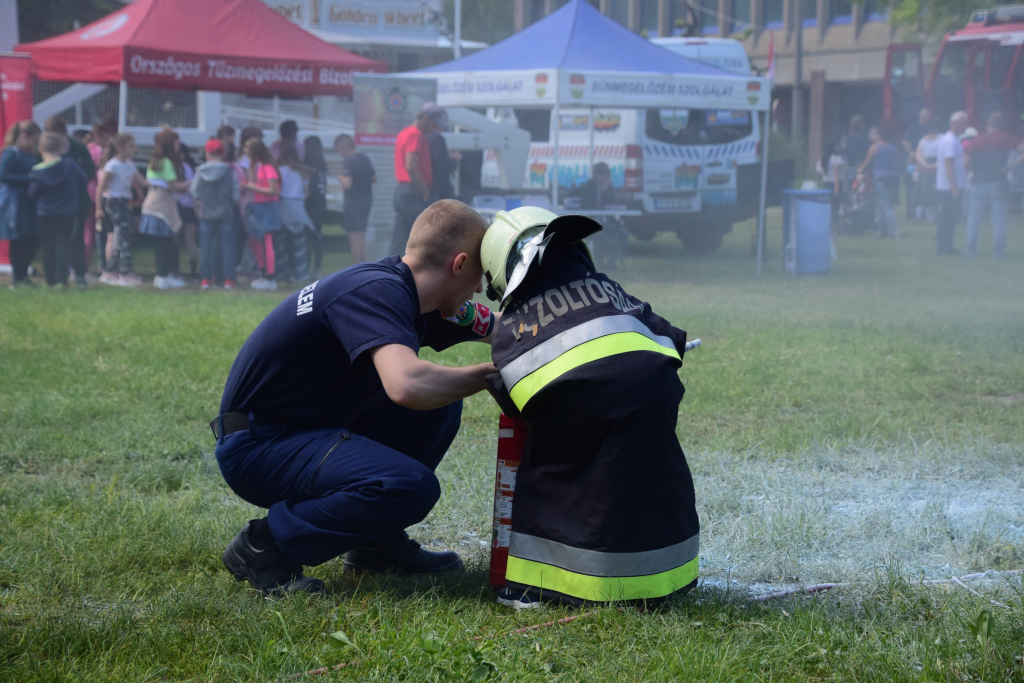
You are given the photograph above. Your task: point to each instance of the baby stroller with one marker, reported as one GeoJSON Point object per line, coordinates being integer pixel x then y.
{"type": "Point", "coordinates": [858, 205]}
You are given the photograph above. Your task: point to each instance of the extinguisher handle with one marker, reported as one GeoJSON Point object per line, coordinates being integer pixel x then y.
{"type": "Point", "coordinates": [691, 345]}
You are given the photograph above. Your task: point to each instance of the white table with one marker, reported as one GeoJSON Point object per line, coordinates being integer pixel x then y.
{"type": "Point", "coordinates": [597, 214]}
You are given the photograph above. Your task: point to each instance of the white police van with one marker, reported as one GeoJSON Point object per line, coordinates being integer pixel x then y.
{"type": "Point", "coordinates": [691, 171]}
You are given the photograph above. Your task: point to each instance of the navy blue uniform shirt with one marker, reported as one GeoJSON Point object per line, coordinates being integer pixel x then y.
{"type": "Point", "coordinates": [306, 364]}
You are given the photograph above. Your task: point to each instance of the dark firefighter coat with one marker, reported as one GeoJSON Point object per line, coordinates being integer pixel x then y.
{"type": "Point", "coordinates": [604, 502]}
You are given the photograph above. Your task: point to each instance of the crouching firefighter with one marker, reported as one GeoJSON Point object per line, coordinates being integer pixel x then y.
{"type": "Point", "coordinates": [604, 502]}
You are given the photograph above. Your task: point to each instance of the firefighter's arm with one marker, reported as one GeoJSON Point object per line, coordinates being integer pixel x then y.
{"type": "Point", "coordinates": [659, 325]}
{"type": "Point", "coordinates": [494, 328]}
{"type": "Point", "coordinates": [420, 385]}
{"type": "Point", "coordinates": [496, 388]}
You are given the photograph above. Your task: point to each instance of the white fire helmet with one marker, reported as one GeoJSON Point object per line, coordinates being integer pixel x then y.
{"type": "Point", "coordinates": [517, 239]}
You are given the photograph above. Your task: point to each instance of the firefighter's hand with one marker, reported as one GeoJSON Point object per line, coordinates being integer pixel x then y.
{"type": "Point", "coordinates": [421, 385]}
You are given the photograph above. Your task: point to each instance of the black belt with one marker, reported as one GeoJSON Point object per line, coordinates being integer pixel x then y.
{"type": "Point", "coordinates": [229, 423]}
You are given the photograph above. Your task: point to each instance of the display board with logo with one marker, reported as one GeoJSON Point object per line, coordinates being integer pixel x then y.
{"type": "Point", "coordinates": [386, 105]}
{"type": "Point", "coordinates": [383, 107]}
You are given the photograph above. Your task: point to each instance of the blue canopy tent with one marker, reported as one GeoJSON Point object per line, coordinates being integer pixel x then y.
{"type": "Point", "coordinates": [578, 57]}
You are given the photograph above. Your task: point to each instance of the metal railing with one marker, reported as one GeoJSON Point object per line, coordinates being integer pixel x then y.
{"type": "Point", "coordinates": [239, 117]}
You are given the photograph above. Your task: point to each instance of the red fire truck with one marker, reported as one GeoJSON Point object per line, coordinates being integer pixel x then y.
{"type": "Point", "coordinates": [978, 69]}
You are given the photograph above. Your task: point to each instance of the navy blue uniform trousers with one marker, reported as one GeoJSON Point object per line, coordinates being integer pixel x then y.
{"type": "Point", "coordinates": [331, 490]}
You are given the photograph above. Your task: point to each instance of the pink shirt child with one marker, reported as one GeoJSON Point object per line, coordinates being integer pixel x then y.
{"type": "Point", "coordinates": [264, 174]}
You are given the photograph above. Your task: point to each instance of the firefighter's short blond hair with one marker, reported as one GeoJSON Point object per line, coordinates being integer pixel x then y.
{"type": "Point", "coordinates": [444, 230]}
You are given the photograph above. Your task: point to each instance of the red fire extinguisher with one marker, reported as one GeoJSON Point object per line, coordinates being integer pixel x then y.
{"type": "Point", "coordinates": [511, 439]}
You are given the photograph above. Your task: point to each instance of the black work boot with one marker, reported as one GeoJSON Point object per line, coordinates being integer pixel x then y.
{"type": "Point", "coordinates": [400, 555]}
{"type": "Point", "coordinates": [253, 555]}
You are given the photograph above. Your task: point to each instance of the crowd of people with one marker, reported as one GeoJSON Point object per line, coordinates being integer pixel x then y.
{"type": "Point", "coordinates": [248, 209]}
{"type": "Point", "coordinates": [948, 175]}
{"type": "Point", "coordinates": [258, 212]}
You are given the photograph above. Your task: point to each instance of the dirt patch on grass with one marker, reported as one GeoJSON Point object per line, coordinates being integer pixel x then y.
{"type": "Point", "coordinates": [826, 515]}
{"type": "Point", "coordinates": [850, 514]}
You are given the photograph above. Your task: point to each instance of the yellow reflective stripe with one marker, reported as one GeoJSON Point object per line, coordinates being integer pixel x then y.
{"type": "Point", "coordinates": [600, 588]}
{"type": "Point", "coordinates": [602, 347]}
{"type": "Point", "coordinates": [599, 563]}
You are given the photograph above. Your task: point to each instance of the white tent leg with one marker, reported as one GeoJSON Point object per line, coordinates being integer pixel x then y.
{"type": "Point", "coordinates": [554, 170]}
{"type": "Point", "coordinates": [761, 209]}
{"type": "Point", "coordinates": [277, 111]}
{"type": "Point", "coordinates": [590, 170]}
{"type": "Point", "coordinates": [458, 166]}
{"type": "Point", "coordinates": [458, 29]}
{"type": "Point", "coordinates": [122, 107]}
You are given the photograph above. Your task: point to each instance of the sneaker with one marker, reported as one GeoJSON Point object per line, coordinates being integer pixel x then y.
{"type": "Point", "coordinates": [264, 566]}
{"type": "Point", "coordinates": [129, 280]}
{"type": "Point", "coordinates": [167, 282]}
{"type": "Point", "coordinates": [91, 279]}
{"type": "Point", "coordinates": [518, 598]}
{"type": "Point", "coordinates": [177, 281]}
{"type": "Point", "coordinates": [108, 278]}
{"type": "Point", "coordinates": [205, 284]}
{"type": "Point", "coordinates": [264, 284]}
{"type": "Point", "coordinates": [230, 284]}
{"type": "Point", "coordinates": [400, 555]}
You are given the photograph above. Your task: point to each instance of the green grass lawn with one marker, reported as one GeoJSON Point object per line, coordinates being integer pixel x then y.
{"type": "Point", "coordinates": [864, 426]}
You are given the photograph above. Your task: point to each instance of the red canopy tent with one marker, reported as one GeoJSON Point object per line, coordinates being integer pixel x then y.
{"type": "Point", "coordinates": [219, 45]}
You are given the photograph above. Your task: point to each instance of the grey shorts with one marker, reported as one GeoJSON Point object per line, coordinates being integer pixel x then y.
{"type": "Point", "coordinates": [355, 218]}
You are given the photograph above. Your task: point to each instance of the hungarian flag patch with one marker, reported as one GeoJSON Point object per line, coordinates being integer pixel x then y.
{"type": "Point", "coordinates": [473, 314]}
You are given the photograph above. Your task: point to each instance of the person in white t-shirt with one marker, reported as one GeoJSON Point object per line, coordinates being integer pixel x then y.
{"type": "Point", "coordinates": [118, 178]}
{"type": "Point", "coordinates": [950, 182]}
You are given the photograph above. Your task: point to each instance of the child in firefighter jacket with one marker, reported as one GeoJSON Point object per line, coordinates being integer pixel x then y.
{"type": "Point", "coordinates": [604, 504]}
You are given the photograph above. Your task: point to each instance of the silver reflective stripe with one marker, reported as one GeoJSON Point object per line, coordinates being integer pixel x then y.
{"type": "Point", "coordinates": [596, 563]}
{"type": "Point", "coordinates": [543, 354]}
